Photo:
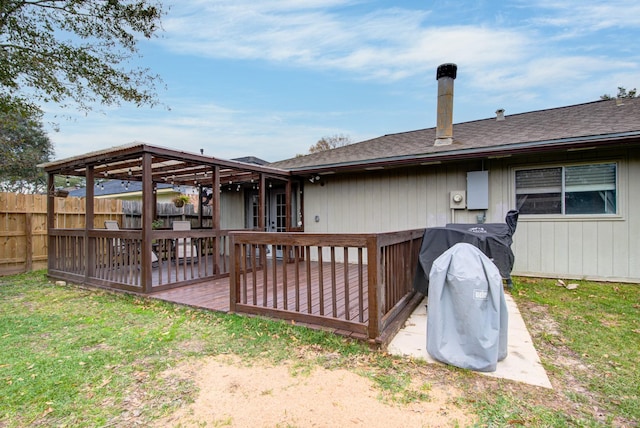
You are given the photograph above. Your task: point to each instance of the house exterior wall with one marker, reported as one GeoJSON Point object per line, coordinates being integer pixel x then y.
{"type": "Point", "coordinates": [383, 201]}
{"type": "Point", "coordinates": [594, 247]}
{"type": "Point", "coordinates": [232, 210]}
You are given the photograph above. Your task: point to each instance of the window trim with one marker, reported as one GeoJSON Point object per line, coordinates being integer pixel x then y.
{"type": "Point", "coordinates": [618, 215]}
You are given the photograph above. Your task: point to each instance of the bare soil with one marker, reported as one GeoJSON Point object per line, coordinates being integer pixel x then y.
{"type": "Point", "coordinates": [234, 395]}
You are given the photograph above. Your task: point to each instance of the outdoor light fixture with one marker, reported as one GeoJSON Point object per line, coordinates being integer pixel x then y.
{"type": "Point", "coordinates": [67, 181]}
{"type": "Point", "coordinates": [130, 172]}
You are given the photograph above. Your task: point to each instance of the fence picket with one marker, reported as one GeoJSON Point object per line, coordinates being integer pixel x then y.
{"type": "Point", "coordinates": [23, 224]}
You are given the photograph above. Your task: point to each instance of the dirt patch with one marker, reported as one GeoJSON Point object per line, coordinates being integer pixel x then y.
{"type": "Point", "coordinates": [265, 396]}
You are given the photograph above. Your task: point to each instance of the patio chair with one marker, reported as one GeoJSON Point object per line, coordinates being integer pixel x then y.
{"type": "Point", "coordinates": [111, 225]}
{"type": "Point", "coordinates": [118, 245]}
{"type": "Point", "coordinates": [184, 248]}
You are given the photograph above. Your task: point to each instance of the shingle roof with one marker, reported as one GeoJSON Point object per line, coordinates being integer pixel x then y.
{"type": "Point", "coordinates": [251, 159]}
{"type": "Point", "coordinates": [577, 124]}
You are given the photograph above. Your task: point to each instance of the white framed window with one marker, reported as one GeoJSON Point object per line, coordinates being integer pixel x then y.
{"type": "Point", "coordinates": [568, 190]}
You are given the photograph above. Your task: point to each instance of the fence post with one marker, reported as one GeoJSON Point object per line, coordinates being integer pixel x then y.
{"type": "Point", "coordinates": [28, 226]}
{"type": "Point", "coordinates": [51, 218]}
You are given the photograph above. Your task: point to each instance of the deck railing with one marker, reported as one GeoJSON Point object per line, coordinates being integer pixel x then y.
{"type": "Point", "coordinates": [356, 283]}
{"type": "Point", "coordinates": [113, 258]}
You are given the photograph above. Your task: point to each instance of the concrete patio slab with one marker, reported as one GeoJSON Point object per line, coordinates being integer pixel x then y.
{"type": "Point", "coordinates": [522, 363]}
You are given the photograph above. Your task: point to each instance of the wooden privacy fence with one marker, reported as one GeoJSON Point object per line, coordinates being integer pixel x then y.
{"type": "Point", "coordinates": [23, 226]}
{"type": "Point", "coordinates": [166, 213]}
{"type": "Point", "coordinates": [357, 283]}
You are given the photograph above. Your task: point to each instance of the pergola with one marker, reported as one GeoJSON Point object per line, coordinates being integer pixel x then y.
{"type": "Point", "coordinates": [152, 165]}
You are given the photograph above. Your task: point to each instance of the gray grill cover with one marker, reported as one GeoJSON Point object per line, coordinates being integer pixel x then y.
{"type": "Point", "coordinates": [494, 239]}
{"type": "Point", "coordinates": [467, 318]}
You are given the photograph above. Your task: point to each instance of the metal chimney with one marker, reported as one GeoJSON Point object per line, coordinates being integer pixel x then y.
{"type": "Point", "coordinates": [444, 131]}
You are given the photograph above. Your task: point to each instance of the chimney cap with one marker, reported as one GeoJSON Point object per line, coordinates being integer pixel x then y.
{"type": "Point", "coordinates": [447, 70]}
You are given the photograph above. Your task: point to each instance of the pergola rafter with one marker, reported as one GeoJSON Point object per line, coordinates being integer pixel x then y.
{"type": "Point", "coordinates": [167, 166]}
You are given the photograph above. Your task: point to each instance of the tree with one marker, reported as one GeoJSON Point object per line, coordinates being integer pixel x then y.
{"type": "Point", "coordinates": [330, 142]}
{"type": "Point", "coordinates": [23, 145]}
{"type": "Point", "coordinates": [72, 51]}
{"type": "Point", "coordinates": [622, 93]}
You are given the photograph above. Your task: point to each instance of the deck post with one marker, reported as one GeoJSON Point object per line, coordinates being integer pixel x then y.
{"type": "Point", "coordinates": [215, 217]}
{"type": "Point", "coordinates": [373, 278]}
{"type": "Point", "coordinates": [262, 204]}
{"type": "Point", "coordinates": [288, 198]}
{"type": "Point", "coordinates": [147, 219]}
{"type": "Point", "coordinates": [234, 274]}
{"type": "Point", "coordinates": [90, 250]}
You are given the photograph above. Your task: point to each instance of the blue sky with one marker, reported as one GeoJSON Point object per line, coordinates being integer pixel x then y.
{"type": "Point", "coordinates": [269, 78]}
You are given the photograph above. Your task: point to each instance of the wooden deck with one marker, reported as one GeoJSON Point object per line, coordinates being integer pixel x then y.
{"type": "Point", "coordinates": [313, 289]}
{"type": "Point", "coordinates": [358, 285]}
{"type": "Point", "coordinates": [212, 294]}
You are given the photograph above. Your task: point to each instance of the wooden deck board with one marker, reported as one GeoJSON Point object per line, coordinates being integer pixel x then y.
{"type": "Point", "coordinates": [214, 294]}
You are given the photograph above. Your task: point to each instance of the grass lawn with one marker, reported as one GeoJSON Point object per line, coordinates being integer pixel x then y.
{"type": "Point", "coordinates": [70, 356]}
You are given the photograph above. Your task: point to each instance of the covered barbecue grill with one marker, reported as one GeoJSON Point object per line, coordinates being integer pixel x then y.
{"type": "Point", "coordinates": [467, 317]}
{"type": "Point", "coordinates": [493, 239]}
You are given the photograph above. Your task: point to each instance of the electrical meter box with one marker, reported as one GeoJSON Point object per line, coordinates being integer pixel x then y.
{"type": "Point", "coordinates": [457, 199]}
{"type": "Point", "coordinates": [478, 190]}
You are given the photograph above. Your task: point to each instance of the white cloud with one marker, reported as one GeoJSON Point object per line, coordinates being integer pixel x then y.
{"type": "Point", "coordinates": [388, 44]}
{"type": "Point", "coordinates": [582, 16]}
{"type": "Point", "coordinates": [190, 126]}
{"type": "Point", "coordinates": [530, 54]}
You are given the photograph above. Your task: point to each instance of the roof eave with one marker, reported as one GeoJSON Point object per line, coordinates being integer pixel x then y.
{"type": "Point", "coordinates": [469, 153]}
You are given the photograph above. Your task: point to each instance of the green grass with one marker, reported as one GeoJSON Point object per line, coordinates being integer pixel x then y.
{"type": "Point", "coordinates": [599, 333]}
{"type": "Point", "coordinates": [77, 357]}
{"type": "Point", "coordinates": [600, 323]}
